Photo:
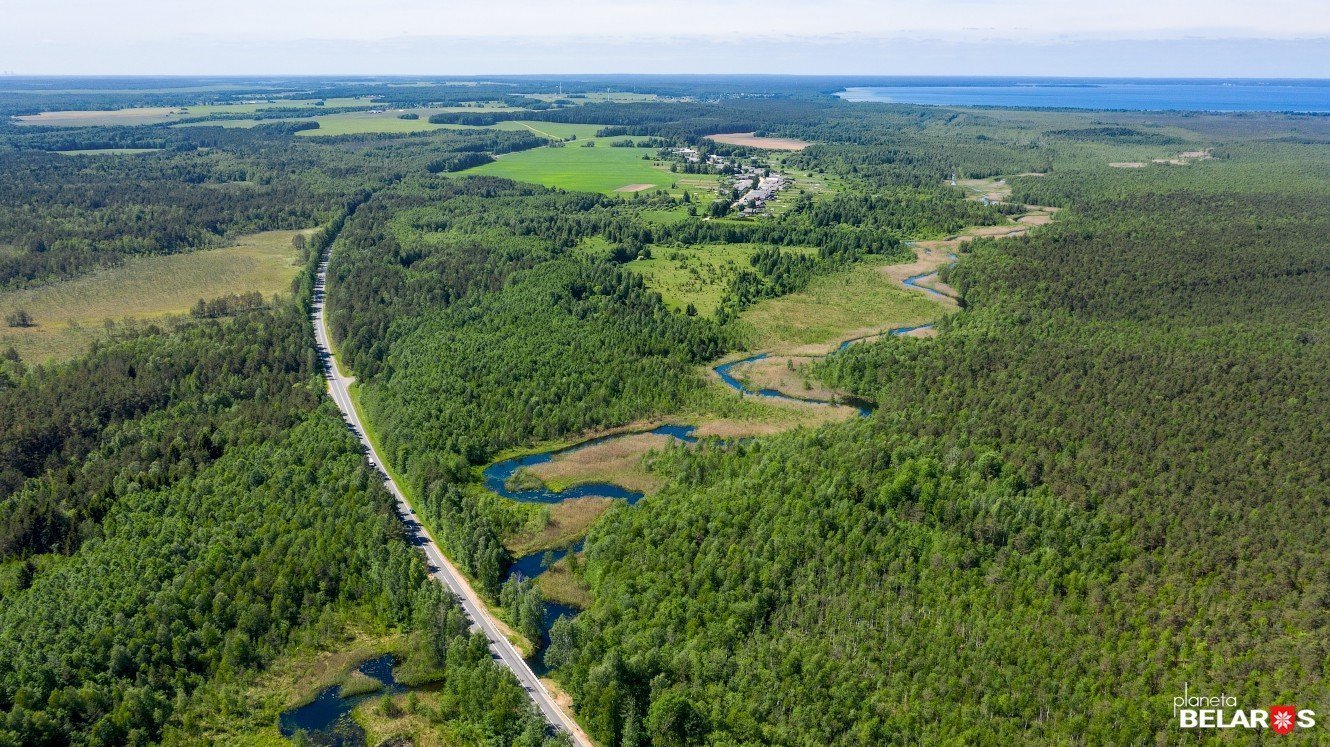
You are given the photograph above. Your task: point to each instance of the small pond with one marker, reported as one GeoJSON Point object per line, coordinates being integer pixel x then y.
{"type": "Point", "coordinates": [327, 721]}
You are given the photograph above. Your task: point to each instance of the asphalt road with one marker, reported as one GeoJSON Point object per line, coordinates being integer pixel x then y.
{"type": "Point", "coordinates": [439, 566]}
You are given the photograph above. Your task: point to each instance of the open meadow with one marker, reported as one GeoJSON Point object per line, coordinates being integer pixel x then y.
{"type": "Point", "coordinates": [150, 115]}
{"type": "Point", "coordinates": [590, 169]}
{"type": "Point", "coordinates": [859, 300]}
{"type": "Point", "coordinates": [697, 275]}
{"type": "Point", "coordinates": [69, 315]}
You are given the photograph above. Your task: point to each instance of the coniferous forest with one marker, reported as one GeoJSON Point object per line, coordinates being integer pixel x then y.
{"type": "Point", "coordinates": [1102, 474]}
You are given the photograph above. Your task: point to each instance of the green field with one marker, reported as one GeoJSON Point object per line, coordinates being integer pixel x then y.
{"type": "Point", "coordinates": [71, 314]}
{"type": "Point", "coordinates": [358, 123]}
{"type": "Point", "coordinates": [163, 114]}
{"type": "Point", "coordinates": [574, 167]}
{"type": "Point", "coordinates": [833, 307]}
{"type": "Point", "coordinates": [697, 275]}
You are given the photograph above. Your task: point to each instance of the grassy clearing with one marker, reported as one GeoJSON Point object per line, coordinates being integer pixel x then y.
{"type": "Point", "coordinates": [565, 522]}
{"type": "Point", "coordinates": [575, 167]}
{"type": "Point", "coordinates": [858, 300]}
{"type": "Point", "coordinates": [405, 719]}
{"type": "Point", "coordinates": [70, 315]}
{"type": "Point", "coordinates": [786, 374]}
{"type": "Point", "coordinates": [698, 275]}
{"type": "Point", "coordinates": [996, 189]}
{"type": "Point", "coordinates": [715, 409]}
{"type": "Point", "coordinates": [559, 584]}
{"type": "Point", "coordinates": [719, 411]}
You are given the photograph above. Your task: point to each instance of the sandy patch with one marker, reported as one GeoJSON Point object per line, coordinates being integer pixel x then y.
{"type": "Point", "coordinates": [563, 699]}
{"type": "Point", "coordinates": [1184, 158]}
{"type": "Point", "coordinates": [751, 140]}
{"type": "Point", "coordinates": [635, 187]}
{"type": "Point", "coordinates": [1035, 219]}
{"type": "Point", "coordinates": [1127, 165]}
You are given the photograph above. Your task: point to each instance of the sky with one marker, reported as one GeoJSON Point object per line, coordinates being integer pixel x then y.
{"type": "Point", "coordinates": [1200, 38]}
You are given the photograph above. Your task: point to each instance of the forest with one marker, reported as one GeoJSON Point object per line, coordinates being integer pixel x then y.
{"type": "Point", "coordinates": [180, 538]}
{"type": "Point", "coordinates": [1104, 477]}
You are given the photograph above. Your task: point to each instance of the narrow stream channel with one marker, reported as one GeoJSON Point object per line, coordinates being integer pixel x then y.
{"type": "Point", "coordinates": [498, 476]}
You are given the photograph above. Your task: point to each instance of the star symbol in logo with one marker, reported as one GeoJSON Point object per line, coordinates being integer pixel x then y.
{"type": "Point", "coordinates": [1283, 720]}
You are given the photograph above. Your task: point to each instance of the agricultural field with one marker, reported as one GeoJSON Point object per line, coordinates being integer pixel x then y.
{"type": "Point", "coordinates": [551, 130]}
{"type": "Point", "coordinates": [588, 169]}
{"type": "Point", "coordinates": [148, 115]}
{"type": "Point", "coordinates": [69, 315]}
{"type": "Point", "coordinates": [752, 140]}
{"type": "Point", "coordinates": [359, 123]}
{"type": "Point", "coordinates": [596, 97]}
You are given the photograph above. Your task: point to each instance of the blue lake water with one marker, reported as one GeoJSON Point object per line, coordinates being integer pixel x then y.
{"type": "Point", "coordinates": [1089, 93]}
{"type": "Point", "coordinates": [326, 720]}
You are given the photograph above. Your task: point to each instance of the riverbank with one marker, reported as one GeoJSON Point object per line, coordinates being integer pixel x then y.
{"type": "Point", "coordinates": [578, 480]}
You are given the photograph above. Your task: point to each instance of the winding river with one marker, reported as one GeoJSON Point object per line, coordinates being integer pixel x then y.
{"type": "Point", "coordinates": [498, 477]}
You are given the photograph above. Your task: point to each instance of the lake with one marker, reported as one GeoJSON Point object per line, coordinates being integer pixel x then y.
{"type": "Point", "coordinates": [1085, 93]}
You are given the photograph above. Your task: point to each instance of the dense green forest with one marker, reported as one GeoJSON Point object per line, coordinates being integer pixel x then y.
{"type": "Point", "coordinates": [889, 595]}
{"type": "Point", "coordinates": [207, 511]}
{"type": "Point", "coordinates": [1105, 477]}
{"type": "Point", "coordinates": [479, 321]}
